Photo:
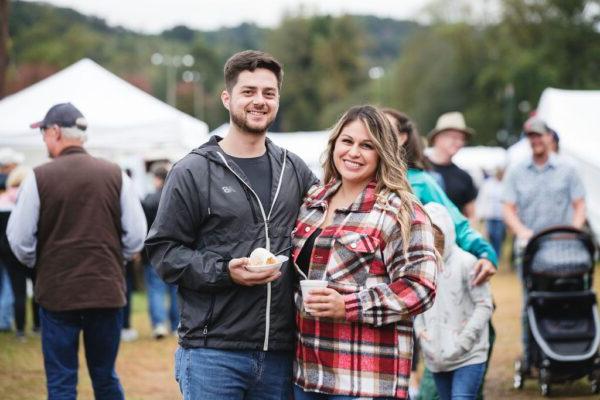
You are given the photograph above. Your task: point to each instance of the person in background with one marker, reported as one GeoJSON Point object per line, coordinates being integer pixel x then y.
{"type": "Point", "coordinates": [128, 333]}
{"type": "Point", "coordinates": [9, 160]}
{"type": "Point", "coordinates": [427, 191]}
{"type": "Point", "coordinates": [18, 273]}
{"type": "Point", "coordinates": [451, 133]}
{"type": "Point", "coordinates": [76, 220]}
{"type": "Point", "coordinates": [156, 288]}
{"type": "Point", "coordinates": [489, 208]}
{"type": "Point", "coordinates": [540, 192]}
{"type": "Point", "coordinates": [366, 234]}
{"type": "Point", "coordinates": [454, 333]}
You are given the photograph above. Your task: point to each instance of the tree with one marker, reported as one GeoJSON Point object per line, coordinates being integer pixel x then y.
{"type": "Point", "coordinates": [4, 42]}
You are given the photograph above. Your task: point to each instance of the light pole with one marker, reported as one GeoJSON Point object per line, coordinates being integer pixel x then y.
{"type": "Point", "coordinates": [197, 80]}
{"type": "Point", "coordinates": [376, 73]}
{"type": "Point", "coordinates": [172, 63]}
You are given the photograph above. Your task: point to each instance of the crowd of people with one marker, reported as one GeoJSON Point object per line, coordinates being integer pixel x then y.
{"type": "Point", "coordinates": [389, 228]}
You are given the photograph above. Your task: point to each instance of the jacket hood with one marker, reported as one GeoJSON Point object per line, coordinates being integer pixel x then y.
{"type": "Point", "coordinates": [441, 218]}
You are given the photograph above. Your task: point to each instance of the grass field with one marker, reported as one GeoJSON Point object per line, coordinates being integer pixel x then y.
{"type": "Point", "coordinates": [146, 365]}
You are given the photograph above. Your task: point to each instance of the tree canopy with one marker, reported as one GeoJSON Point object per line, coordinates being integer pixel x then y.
{"type": "Point", "coordinates": [492, 70]}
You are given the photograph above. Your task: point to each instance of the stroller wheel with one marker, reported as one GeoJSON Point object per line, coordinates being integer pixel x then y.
{"type": "Point", "coordinates": [545, 389]}
{"type": "Point", "coordinates": [518, 377]}
{"type": "Point", "coordinates": [545, 382]}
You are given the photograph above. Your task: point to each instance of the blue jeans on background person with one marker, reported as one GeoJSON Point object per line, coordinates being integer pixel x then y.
{"type": "Point", "coordinates": [496, 233]}
{"type": "Point", "coordinates": [460, 384]}
{"type": "Point", "coordinates": [300, 394]}
{"type": "Point", "coordinates": [6, 300]}
{"type": "Point", "coordinates": [60, 346]}
{"type": "Point", "coordinates": [157, 289]}
{"type": "Point", "coordinates": [205, 373]}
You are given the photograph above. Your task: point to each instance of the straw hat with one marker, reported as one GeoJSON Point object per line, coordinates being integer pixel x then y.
{"type": "Point", "coordinates": [453, 120]}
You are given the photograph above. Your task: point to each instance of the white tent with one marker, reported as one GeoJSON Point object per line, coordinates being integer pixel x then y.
{"type": "Point", "coordinates": [124, 121]}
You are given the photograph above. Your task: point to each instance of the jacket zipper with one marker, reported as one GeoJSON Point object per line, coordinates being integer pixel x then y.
{"type": "Point", "coordinates": [208, 318]}
{"type": "Point", "coordinates": [268, 240]}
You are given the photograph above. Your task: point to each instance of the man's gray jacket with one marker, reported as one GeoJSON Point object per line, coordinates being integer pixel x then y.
{"type": "Point", "coordinates": [209, 214]}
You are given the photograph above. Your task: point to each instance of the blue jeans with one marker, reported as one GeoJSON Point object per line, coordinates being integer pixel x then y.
{"type": "Point", "coordinates": [204, 373]}
{"type": "Point", "coordinates": [6, 300]}
{"type": "Point", "coordinates": [496, 232]}
{"type": "Point", "coordinates": [60, 346]}
{"type": "Point", "coordinates": [157, 289]}
{"type": "Point", "coordinates": [461, 384]}
{"type": "Point", "coordinates": [300, 394]}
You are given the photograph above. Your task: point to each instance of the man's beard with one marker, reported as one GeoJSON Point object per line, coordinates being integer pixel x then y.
{"type": "Point", "coordinates": [240, 122]}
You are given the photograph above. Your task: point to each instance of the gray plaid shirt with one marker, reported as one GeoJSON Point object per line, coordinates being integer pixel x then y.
{"type": "Point", "coordinates": [543, 194]}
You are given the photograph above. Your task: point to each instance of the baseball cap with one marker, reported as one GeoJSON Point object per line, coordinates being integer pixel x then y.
{"type": "Point", "coordinates": [535, 125]}
{"type": "Point", "coordinates": [65, 115]}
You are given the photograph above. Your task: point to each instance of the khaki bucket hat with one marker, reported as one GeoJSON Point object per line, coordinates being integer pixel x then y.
{"type": "Point", "coordinates": [453, 120]}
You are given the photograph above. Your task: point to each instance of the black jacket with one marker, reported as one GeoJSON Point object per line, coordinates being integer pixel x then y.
{"type": "Point", "coordinates": [208, 215]}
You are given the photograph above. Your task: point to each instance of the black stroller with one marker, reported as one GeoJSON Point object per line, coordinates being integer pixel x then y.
{"type": "Point", "coordinates": [564, 326]}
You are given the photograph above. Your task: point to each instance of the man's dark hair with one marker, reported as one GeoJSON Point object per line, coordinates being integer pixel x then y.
{"type": "Point", "coordinates": [249, 60]}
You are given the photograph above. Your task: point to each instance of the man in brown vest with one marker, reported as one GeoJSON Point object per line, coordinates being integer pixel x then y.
{"type": "Point", "coordinates": [76, 220]}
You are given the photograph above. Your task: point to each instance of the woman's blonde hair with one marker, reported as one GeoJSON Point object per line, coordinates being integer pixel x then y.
{"type": "Point", "coordinates": [391, 169]}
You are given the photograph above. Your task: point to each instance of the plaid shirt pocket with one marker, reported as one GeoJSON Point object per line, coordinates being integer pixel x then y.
{"type": "Point", "coordinates": [356, 259]}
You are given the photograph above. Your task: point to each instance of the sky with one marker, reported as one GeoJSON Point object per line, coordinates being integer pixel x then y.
{"type": "Point", "coordinates": [153, 16]}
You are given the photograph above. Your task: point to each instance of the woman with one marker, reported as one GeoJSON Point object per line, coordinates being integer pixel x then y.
{"type": "Point", "coordinates": [19, 274]}
{"type": "Point", "coordinates": [427, 191]}
{"type": "Point", "coordinates": [368, 237]}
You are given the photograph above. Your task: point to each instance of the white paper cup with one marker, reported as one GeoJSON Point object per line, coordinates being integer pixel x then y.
{"type": "Point", "coordinates": [307, 285]}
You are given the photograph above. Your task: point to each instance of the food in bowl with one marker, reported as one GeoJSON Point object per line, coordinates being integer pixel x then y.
{"type": "Point", "coordinates": [262, 256]}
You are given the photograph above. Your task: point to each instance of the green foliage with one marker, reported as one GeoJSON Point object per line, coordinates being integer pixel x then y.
{"type": "Point", "coordinates": [484, 69]}
{"type": "Point", "coordinates": [487, 71]}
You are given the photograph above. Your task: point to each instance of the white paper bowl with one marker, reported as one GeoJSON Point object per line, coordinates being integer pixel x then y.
{"type": "Point", "coordinates": [268, 267]}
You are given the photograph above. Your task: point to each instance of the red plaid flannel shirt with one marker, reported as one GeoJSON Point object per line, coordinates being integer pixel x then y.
{"type": "Point", "coordinates": [361, 255]}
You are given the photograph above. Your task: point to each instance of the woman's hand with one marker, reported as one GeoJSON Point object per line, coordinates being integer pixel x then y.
{"type": "Point", "coordinates": [326, 302]}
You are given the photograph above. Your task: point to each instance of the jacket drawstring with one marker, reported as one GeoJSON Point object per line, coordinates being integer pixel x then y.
{"type": "Point", "coordinates": [209, 184]}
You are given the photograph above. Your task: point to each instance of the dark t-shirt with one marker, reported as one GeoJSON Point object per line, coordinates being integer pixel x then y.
{"type": "Point", "coordinates": [303, 260]}
{"type": "Point", "coordinates": [258, 171]}
{"type": "Point", "coordinates": [458, 184]}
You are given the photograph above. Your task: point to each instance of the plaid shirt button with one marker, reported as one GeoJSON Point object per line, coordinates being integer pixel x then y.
{"type": "Point", "coordinates": [307, 229]}
{"type": "Point", "coordinates": [353, 245]}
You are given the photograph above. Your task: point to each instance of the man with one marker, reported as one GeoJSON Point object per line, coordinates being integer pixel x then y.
{"type": "Point", "coordinates": [76, 220]}
{"type": "Point", "coordinates": [220, 202]}
{"type": "Point", "coordinates": [540, 192]}
{"type": "Point", "coordinates": [156, 288]}
{"type": "Point", "coordinates": [449, 136]}
{"type": "Point", "coordinates": [544, 190]}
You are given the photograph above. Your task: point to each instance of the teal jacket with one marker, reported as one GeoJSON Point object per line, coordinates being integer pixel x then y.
{"type": "Point", "coordinates": [427, 190]}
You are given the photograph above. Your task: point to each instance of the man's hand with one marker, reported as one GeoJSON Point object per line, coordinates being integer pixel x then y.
{"type": "Point", "coordinates": [326, 303]}
{"type": "Point", "coordinates": [240, 275]}
{"type": "Point", "coordinates": [484, 270]}
{"type": "Point", "coordinates": [525, 234]}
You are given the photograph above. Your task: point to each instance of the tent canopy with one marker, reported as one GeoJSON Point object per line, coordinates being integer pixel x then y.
{"type": "Point", "coordinates": [123, 119]}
